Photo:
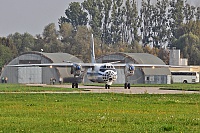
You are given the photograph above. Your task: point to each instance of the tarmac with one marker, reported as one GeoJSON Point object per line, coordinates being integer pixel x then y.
{"type": "Point", "coordinates": [133, 90]}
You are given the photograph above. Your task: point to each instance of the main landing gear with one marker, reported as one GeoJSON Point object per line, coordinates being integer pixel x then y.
{"type": "Point", "coordinates": [107, 86]}
{"type": "Point", "coordinates": [127, 85]}
{"type": "Point", "coordinates": [74, 85]}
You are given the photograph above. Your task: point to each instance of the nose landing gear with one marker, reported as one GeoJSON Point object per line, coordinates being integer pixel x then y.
{"type": "Point", "coordinates": [107, 86]}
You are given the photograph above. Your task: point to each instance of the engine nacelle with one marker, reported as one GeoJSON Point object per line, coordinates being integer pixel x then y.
{"type": "Point", "coordinates": [76, 70]}
{"type": "Point", "coordinates": [129, 70]}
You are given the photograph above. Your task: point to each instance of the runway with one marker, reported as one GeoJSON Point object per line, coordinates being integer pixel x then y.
{"type": "Point", "coordinates": [133, 90]}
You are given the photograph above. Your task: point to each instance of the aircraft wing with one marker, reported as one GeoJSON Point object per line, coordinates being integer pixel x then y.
{"type": "Point", "coordinates": [149, 65]}
{"type": "Point", "coordinates": [43, 65]}
{"type": "Point", "coordinates": [90, 65]}
{"type": "Point", "coordinates": [85, 65]}
{"type": "Point", "coordinates": [140, 65]}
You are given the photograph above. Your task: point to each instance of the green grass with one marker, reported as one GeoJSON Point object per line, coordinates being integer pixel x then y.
{"type": "Point", "coordinates": [94, 113]}
{"type": "Point", "coordinates": [185, 87]}
{"type": "Point", "coordinates": [25, 88]}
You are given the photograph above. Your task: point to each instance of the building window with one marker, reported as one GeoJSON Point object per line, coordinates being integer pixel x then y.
{"type": "Point", "coordinates": [149, 78]}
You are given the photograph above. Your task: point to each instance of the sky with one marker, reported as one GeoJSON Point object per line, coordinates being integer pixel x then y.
{"type": "Point", "coordinates": [33, 15]}
{"type": "Point", "coordinates": [30, 15]}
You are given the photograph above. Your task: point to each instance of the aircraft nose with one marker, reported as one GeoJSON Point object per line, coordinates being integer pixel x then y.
{"type": "Point", "coordinates": [109, 75]}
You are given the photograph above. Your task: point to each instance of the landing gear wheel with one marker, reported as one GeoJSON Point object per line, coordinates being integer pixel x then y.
{"type": "Point", "coordinates": [125, 86]}
{"type": "Point", "coordinates": [107, 86]}
{"type": "Point", "coordinates": [76, 84]}
{"type": "Point", "coordinates": [129, 86]}
{"type": "Point", "coordinates": [72, 85]}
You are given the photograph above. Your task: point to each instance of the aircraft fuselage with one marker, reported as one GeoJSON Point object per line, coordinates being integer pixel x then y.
{"type": "Point", "coordinates": [102, 73]}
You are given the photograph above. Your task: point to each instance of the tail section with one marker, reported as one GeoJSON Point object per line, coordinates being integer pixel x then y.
{"type": "Point", "coordinates": [92, 50]}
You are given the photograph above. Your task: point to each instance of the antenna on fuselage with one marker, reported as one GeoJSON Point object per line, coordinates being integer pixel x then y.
{"type": "Point", "coordinates": [92, 50]}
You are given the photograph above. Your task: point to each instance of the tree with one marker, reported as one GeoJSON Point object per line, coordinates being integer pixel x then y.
{"type": "Point", "coordinates": [94, 9]}
{"type": "Point", "coordinates": [163, 54]}
{"type": "Point", "coordinates": [135, 47]}
{"type": "Point", "coordinates": [22, 42]}
{"type": "Point", "coordinates": [197, 14]}
{"type": "Point", "coordinates": [74, 15]}
{"type": "Point", "coordinates": [116, 22]}
{"type": "Point", "coordinates": [28, 42]}
{"type": "Point", "coordinates": [131, 22]}
{"type": "Point", "coordinates": [67, 37]}
{"type": "Point", "coordinates": [82, 39]}
{"type": "Point", "coordinates": [39, 43]}
{"type": "Point", "coordinates": [190, 27]}
{"type": "Point", "coordinates": [51, 39]}
{"type": "Point", "coordinates": [5, 55]}
{"type": "Point", "coordinates": [189, 44]}
{"type": "Point", "coordinates": [176, 16]}
{"type": "Point", "coordinates": [147, 22]}
{"type": "Point", "coordinates": [160, 24]}
{"type": "Point", "coordinates": [16, 40]}
{"type": "Point", "coordinates": [189, 12]}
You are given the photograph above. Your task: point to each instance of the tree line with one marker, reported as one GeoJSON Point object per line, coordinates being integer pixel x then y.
{"type": "Point", "coordinates": [118, 26]}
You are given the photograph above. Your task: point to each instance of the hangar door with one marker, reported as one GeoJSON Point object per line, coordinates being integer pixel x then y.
{"type": "Point", "coordinates": [30, 75]}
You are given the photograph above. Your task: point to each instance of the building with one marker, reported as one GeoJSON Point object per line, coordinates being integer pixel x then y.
{"type": "Point", "coordinates": [177, 61]}
{"type": "Point", "coordinates": [141, 75]}
{"type": "Point", "coordinates": [40, 75]}
{"type": "Point", "coordinates": [175, 58]}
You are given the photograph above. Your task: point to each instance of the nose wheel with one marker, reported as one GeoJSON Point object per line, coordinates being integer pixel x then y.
{"type": "Point", "coordinates": [107, 86]}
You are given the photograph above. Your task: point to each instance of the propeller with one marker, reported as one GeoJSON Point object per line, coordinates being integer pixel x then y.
{"type": "Point", "coordinates": [129, 69]}
{"type": "Point", "coordinates": [76, 70]}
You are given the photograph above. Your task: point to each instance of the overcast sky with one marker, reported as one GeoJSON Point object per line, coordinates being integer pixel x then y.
{"type": "Point", "coordinates": [30, 15]}
{"type": "Point", "coordinates": [33, 15]}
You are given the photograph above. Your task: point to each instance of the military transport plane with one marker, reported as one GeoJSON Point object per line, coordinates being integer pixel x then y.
{"type": "Point", "coordinates": [96, 72]}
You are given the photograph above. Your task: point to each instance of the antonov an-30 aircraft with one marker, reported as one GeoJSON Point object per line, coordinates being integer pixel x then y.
{"type": "Point", "coordinates": [96, 72]}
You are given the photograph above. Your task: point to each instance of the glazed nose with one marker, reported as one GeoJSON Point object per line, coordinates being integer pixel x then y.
{"type": "Point", "coordinates": [109, 75]}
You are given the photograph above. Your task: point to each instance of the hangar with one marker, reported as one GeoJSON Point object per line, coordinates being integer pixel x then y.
{"type": "Point", "coordinates": [40, 75]}
{"type": "Point", "coordinates": [141, 75]}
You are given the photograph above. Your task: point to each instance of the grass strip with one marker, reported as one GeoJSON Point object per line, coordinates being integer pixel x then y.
{"type": "Point", "coordinates": [93, 113]}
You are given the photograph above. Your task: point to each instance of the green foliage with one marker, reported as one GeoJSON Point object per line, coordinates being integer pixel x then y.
{"type": "Point", "coordinates": [118, 26]}
{"type": "Point", "coordinates": [26, 88]}
{"type": "Point", "coordinates": [176, 15]}
{"type": "Point", "coordinates": [74, 15]}
{"type": "Point", "coordinates": [189, 44]}
{"type": "Point", "coordinates": [5, 55]}
{"type": "Point", "coordinates": [51, 42]}
{"type": "Point", "coordinates": [94, 9]}
{"type": "Point", "coordinates": [83, 39]}
{"type": "Point", "coordinates": [99, 113]}
{"type": "Point", "coordinates": [190, 27]}
{"type": "Point", "coordinates": [23, 42]}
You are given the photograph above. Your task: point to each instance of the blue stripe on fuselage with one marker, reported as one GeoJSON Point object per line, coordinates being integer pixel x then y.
{"type": "Point", "coordinates": [93, 74]}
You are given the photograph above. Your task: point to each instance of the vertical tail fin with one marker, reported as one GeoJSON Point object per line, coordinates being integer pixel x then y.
{"type": "Point", "coordinates": [92, 50]}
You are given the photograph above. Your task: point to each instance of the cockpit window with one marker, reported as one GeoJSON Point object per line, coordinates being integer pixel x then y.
{"type": "Point", "coordinates": [107, 67]}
